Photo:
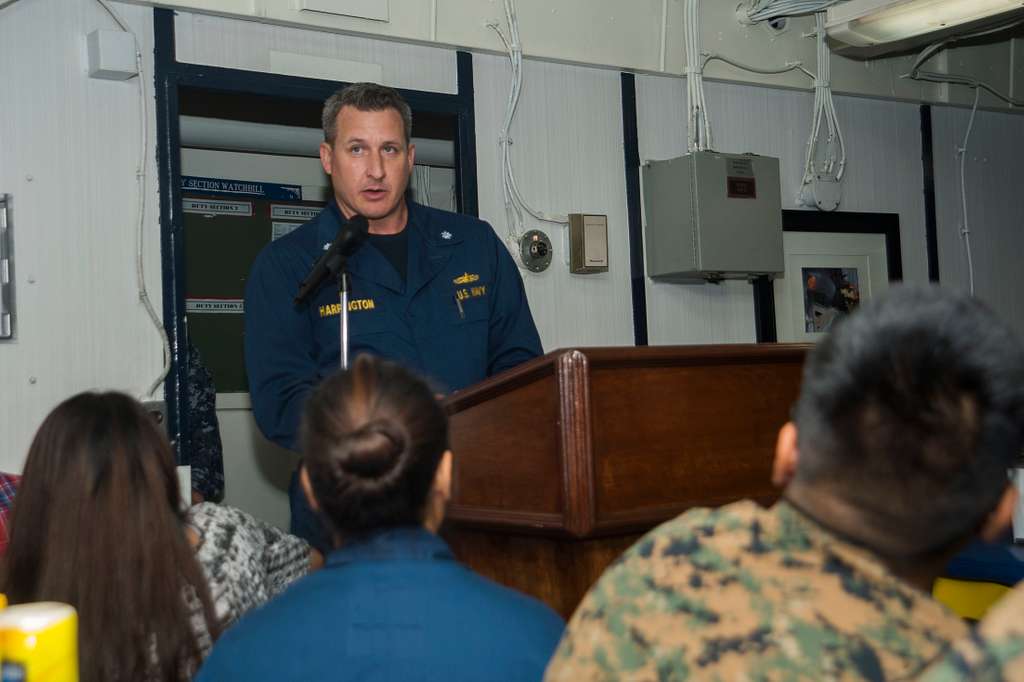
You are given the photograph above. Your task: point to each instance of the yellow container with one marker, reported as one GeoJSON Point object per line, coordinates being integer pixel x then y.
{"type": "Point", "coordinates": [39, 643]}
{"type": "Point", "coordinates": [968, 598]}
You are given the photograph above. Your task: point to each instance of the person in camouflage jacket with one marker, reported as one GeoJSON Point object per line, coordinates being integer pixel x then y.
{"type": "Point", "coordinates": [909, 415]}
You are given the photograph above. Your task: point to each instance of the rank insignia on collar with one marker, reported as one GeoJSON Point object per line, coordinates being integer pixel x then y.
{"type": "Point", "coordinates": [465, 278]}
{"type": "Point", "coordinates": [446, 235]}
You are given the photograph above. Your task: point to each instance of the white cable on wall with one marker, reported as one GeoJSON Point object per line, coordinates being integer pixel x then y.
{"type": "Point", "coordinates": [965, 230]}
{"type": "Point", "coordinates": [664, 34]}
{"type": "Point", "coordinates": [140, 176]}
{"type": "Point", "coordinates": [823, 170]}
{"type": "Point", "coordinates": [792, 66]}
{"type": "Point", "coordinates": [515, 204]}
{"type": "Point", "coordinates": [820, 181]}
{"type": "Point", "coordinates": [698, 125]}
{"type": "Point", "coordinates": [767, 10]}
{"type": "Point", "coordinates": [916, 73]}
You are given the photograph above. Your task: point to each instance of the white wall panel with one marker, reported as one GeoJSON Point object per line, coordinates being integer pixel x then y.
{"type": "Point", "coordinates": [70, 148]}
{"type": "Point", "coordinates": [621, 35]}
{"type": "Point", "coordinates": [567, 151]}
{"type": "Point", "coordinates": [995, 205]}
{"type": "Point", "coordinates": [235, 44]}
{"type": "Point", "coordinates": [256, 471]}
{"type": "Point", "coordinates": [883, 174]}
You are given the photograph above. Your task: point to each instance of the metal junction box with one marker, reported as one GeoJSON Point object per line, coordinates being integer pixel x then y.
{"type": "Point", "coordinates": [713, 216]}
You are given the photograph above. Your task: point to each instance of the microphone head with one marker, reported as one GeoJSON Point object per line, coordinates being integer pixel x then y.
{"type": "Point", "coordinates": [352, 234]}
{"type": "Point", "coordinates": [360, 223]}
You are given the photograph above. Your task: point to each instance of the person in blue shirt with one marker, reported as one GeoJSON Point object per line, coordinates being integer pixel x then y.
{"type": "Point", "coordinates": [436, 291]}
{"type": "Point", "coordinates": [391, 602]}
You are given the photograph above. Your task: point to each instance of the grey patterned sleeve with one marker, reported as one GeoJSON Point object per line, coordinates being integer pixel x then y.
{"type": "Point", "coordinates": [285, 557]}
{"type": "Point", "coordinates": [246, 561]}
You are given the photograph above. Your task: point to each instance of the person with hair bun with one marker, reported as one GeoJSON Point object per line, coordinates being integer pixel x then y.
{"type": "Point", "coordinates": [391, 602]}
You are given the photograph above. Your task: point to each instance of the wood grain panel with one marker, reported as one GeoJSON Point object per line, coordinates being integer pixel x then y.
{"type": "Point", "coordinates": [558, 572]}
{"type": "Point", "coordinates": [505, 442]}
{"type": "Point", "coordinates": [636, 435]}
{"type": "Point", "coordinates": [708, 438]}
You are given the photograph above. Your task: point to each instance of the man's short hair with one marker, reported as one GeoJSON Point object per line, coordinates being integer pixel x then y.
{"type": "Point", "coordinates": [364, 97]}
{"type": "Point", "coordinates": [911, 412]}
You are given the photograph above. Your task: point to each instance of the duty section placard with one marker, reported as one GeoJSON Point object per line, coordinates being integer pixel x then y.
{"type": "Point", "coordinates": [213, 207]}
{"type": "Point", "coordinates": [214, 305]}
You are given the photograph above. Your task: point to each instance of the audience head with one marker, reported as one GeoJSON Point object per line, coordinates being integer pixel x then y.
{"type": "Point", "coordinates": [375, 441]}
{"type": "Point", "coordinates": [910, 413]}
{"type": "Point", "coordinates": [97, 524]}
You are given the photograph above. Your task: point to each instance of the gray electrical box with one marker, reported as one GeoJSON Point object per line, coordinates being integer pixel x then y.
{"type": "Point", "coordinates": [713, 216]}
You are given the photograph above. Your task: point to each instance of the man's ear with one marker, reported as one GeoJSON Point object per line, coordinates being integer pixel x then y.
{"type": "Point", "coordinates": [307, 488]}
{"type": "Point", "coordinates": [1001, 517]}
{"type": "Point", "coordinates": [325, 157]}
{"type": "Point", "coordinates": [786, 455]}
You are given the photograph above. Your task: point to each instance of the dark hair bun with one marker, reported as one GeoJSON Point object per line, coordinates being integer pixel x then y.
{"type": "Point", "coordinates": [372, 437]}
{"type": "Point", "coordinates": [373, 449]}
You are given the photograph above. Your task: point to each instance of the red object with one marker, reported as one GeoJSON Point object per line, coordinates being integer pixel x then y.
{"type": "Point", "coordinates": [8, 486]}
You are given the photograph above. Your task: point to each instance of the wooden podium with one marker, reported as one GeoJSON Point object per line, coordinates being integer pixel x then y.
{"type": "Point", "coordinates": [563, 462]}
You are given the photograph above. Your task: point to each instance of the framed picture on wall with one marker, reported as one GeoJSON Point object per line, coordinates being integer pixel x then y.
{"type": "Point", "coordinates": [834, 262]}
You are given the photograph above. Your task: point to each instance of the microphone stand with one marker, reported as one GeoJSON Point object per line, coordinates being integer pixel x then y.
{"type": "Point", "coordinates": [343, 288]}
{"type": "Point", "coordinates": [334, 262]}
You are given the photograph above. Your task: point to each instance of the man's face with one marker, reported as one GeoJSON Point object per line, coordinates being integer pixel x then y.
{"type": "Point", "coordinates": [369, 164]}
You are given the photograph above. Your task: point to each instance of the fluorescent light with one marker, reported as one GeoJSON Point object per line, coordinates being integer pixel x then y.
{"type": "Point", "coordinates": [873, 22]}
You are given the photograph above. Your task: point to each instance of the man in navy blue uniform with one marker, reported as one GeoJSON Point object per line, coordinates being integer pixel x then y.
{"type": "Point", "coordinates": [433, 290]}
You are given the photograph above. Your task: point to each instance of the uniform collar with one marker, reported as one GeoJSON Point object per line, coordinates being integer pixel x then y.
{"type": "Point", "coordinates": [390, 544]}
{"type": "Point", "coordinates": [865, 561]}
{"type": "Point", "coordinates": [428, 252]}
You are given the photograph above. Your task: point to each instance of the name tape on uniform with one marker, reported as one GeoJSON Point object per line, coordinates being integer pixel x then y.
{"type": "Point", "coordinates": [208, 207]}
{"type": "Point", "coordinates": [214, 305]}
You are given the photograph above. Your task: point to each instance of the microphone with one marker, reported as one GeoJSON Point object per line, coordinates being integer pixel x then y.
{"type": "Point", "coordinates": [350, 237]}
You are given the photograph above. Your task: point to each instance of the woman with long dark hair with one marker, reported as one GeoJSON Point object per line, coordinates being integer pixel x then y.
{"type": "Point", "coordinates": [391, 603]}
{"type": "Point", "coordinates": [98, 523]}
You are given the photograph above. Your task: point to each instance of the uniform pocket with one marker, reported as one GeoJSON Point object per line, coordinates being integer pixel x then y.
{"type": "Point", "coordinates": [469, 303]}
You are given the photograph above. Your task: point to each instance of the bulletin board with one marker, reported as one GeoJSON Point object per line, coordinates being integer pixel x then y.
{"type": "Point", "coordinates": [227, 223]}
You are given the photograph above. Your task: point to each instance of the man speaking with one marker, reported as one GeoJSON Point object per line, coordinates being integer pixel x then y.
{"type": "Point", "coordinates": [433, 290]}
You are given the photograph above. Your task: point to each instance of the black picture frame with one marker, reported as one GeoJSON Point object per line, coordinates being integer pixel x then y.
{"type": "Point", "coordinates": [841, 222]}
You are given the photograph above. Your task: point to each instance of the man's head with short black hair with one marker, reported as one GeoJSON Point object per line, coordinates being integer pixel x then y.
{"type": "Point", "coordinates": [364, 97]}
{"type": "Point", "coordinates": [910, 413]}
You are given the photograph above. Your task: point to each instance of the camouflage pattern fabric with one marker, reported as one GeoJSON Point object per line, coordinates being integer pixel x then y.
{"type": "Point", "coordinates": [207, 453]}
{"type": "Point", "coordinates": [747, 593]}
{"type": "Point", "coordinates": [994, 652]}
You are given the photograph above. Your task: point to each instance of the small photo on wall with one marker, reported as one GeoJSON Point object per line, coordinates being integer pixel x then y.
{"type": "Point", "coordinates": [829, 294]}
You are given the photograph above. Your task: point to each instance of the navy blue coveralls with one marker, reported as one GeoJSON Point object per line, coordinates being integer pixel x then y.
{"type": "Point", "coordinates": [459, 316]}
{"type": "Point", "coordinates": [394, 605]}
